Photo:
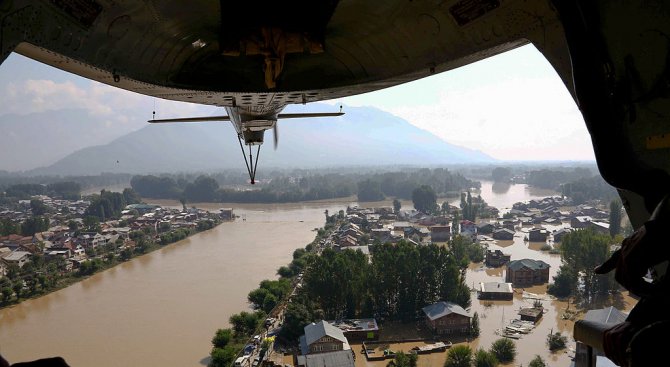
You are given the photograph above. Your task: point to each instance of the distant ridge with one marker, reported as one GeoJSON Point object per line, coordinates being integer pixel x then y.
{"type": "Point", "coordinates": [363, 136]}
{"type": "Point", "coordinates": [42, 138]}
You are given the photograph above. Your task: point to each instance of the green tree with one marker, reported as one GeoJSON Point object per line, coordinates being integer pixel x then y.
{"type": "Point", "coordinates": [455, 223]}
{"type": "Point", "coordinates": [222, 357]}
{"type": "Point", "coordinates": [92, 223]}
{"type": "Point", "coordinates": [106, 206]}
{"type": "Point", "coordinates": [444, 208]}
{"type": "Point", "coordinates": [565, 282]}
{"type": "Point", "coordinates": [285, 272]}
{"type": "Point", "coordinates": [485, 359]}
{"type": "Point", "coordinates": [537, 362]}
{"type": "Point", "coordinates": [501, 174]}
{"type": "Point", "coordinates": [222, 338]}
{"type": "Point", "coordinates": [556, 341]}
{"type": "Point", "coordinates": [582, 251]}
{"type": "Point", "coordinates": [404, 360]}
{"type": "Point", "coordinates": [37, 207]}
{"type": "Point", "coordinates": [203, 189]}
{"type": "Point", "coordinates": [73, 225]}
{"type": "Point", "coordinates": [245, 323]}
{"type": "Point", "coordinates": [474, 326]}
{"type": "Point", "coordinates": [131, 197]}
{"type": "Point", "coordinates": [370, 190]}
{"type": "Point", "coordinates": [504, 349]}
{"type": "Point", "coordinates": [615, 217]}
{"type": "Point", "coordinates": [7, 294]}
{"type": "Point", "coordinates": [34, 225]}
{"type": "Point", "coordinates": [396, 205]}
{"type": "Point", "coordinates": [7, 227]}
{"type": "Point", "coordinates": [459, 356]}
{"type": "Point", "coordinates": [17, 287]}
{"type": "Point", "coordinates": [424, 199]}
{"type": "Point", "coordinates": [295, 319]}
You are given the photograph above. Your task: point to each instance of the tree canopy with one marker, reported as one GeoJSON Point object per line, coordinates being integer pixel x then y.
{"type": "Point", "coordinates": [504, 350]}
{"type": "Point", "coordinates": [485, 359]}
{"type": "Point", "coordinates": [459, 356]}
{"type": "Point", "coordinates": [581, 252]}
{"type": "Point", "coordinates": [345, 284]}
{"type": "Point", "coordinates": [424, 199]}
{"type": "Point", "coordinates": [615, 217]}
{"type": "Point", "coordinates": [370, 190]}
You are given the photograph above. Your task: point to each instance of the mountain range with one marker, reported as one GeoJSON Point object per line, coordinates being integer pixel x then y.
{"type": "Point", "coordinates": [363, 136]}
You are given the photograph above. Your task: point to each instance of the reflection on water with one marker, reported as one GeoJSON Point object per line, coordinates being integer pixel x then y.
{"type": "Point", "coordinates": [504, 198]}
{"type": "Point", "coordinates": [500, 187]}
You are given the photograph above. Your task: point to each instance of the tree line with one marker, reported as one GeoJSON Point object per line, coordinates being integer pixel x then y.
{"type": "Point", "coordinates": [402, 184]}
{"type": "Point", "coordinates": [367, 186]}
{"type": "Point", "coordinates": [67, 190]}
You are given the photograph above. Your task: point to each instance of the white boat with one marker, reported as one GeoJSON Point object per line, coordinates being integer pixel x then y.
{"type": "Point", "coordinates": [513, 329]}
{"type": "Point", "coordinates": [512, 335]}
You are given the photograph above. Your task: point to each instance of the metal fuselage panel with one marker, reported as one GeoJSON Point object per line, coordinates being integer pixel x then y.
{"type": "Point", "coordinates": [216, 53]}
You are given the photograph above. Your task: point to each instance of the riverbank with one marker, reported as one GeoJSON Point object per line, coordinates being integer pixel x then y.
{"type": "Point", "coordinates": [38, 285]}
{"type": "Point", "coordinates": [161, 308]}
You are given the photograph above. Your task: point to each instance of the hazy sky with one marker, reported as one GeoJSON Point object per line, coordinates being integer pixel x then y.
{"type": "Point", "coordinates": [512, 106]}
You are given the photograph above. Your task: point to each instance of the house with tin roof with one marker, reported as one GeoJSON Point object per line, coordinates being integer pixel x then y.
{"type": "Point", "coordinates": [18, 258]}
{"type": "Point", "coordinates": [527, 272]}
{"type": "Point", "coordinates": [608, 315]}
{"type": "Point", "coordinates": [447, 318]}
{"type": "Point", "coordinates": [323, 337]}
{"type": "Point", "coordinates": [504, 234]}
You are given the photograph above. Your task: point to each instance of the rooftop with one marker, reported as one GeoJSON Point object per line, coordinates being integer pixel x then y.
{"type": "Point", "coordinates": [441, 309]}
{"type": "Point", "coordinates": [342, 358]}
{"type": "Point", "coordinates": [314, 332]}
{"type": "Point", "coordinates": [528, 263]}
{"type": "Point", "coordinates": [609, 315]}
{"type": "Point", "coordinates": [355, 324]}
{"type": "Point", "coordinates": [495, 287]}
{"type": "Point", "coordinates": [16, 255]}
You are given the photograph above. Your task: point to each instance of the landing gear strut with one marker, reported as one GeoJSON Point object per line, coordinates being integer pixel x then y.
{"type": "Point", "coordinates": [251, 164]}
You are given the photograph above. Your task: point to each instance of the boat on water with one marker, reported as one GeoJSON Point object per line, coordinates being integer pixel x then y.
{"type": "Point", "coordinates": [430, 348]}
{"type": "Point", "coordinates": [512, 335]}
{"type": "Point", "coordinates": [508, 334]}
{"type": "Point", "coordinates": [513, 329]}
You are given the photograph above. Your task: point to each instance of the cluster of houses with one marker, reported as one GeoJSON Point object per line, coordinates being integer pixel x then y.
{"type": "Point", "coordinates": [326, 343]}
{"type": "Point", "coordinates": [365, 226]}
{"type": "Point", "coordinates": [546, 211]}
{"type": "Point", "coordinates": [60, 240]}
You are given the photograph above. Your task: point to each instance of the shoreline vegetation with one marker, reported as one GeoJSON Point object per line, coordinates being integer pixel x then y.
{"type": "Point", "coordinates": [42, 287]}
{"type": "Point", "coordinates": [63, 241]}
{"type": "Point", "coordinates": [269, 301]}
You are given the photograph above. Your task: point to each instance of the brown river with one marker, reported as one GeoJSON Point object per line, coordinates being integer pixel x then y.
{"type": "Point", "coordinates": [163, 308]}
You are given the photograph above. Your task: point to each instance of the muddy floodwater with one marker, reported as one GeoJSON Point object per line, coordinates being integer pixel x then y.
{"type": "Point", "coordinates": [163, 308]}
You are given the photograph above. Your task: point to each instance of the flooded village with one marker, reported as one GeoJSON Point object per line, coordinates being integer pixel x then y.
{"type": "Point", "coordinates": [519, 258]}
{"type": "Point", "coordinates": [508, 287]}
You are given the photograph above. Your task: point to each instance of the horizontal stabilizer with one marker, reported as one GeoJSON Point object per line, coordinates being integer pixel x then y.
{"type": "Point", "coordinates": [193, 119]}
{"type": "Point", "coordinates": [304, 115]}
{"type": "Point", "coordinates": [227, 118]}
